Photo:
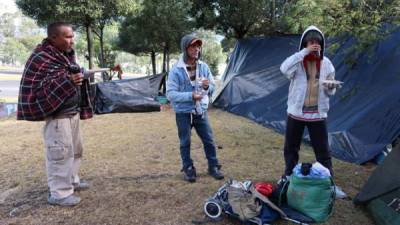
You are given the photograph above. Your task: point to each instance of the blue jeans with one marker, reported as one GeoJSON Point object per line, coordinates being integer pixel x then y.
{"type": "Point", "coordinates": [184, 122]}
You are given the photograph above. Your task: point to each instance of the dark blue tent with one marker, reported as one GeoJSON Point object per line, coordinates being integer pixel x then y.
{"type": "Point", "coordinates": [364, 114]}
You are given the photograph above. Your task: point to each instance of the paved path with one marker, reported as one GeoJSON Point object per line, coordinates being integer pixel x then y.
{"type": "Point", "coordinates": [9, 85]}
{"type": "Point", "coordinates": [9, 88]}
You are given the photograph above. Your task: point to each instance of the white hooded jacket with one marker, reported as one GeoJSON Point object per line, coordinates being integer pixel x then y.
{"type": "Point", "coordinates": [294, 70]}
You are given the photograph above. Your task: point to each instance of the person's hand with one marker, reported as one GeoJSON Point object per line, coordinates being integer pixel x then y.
{"type": "Point", "coordinates": [205, 84]}
{"type": "Point", "coordinates": [314, 48]}
{"type": "Point", "coordinates": [330, 86]}
{"type": "Point", "coordinates": [117, 68]}
{"type": "Point", "coordinates": [196, 96]}
{"type": "Point", "coordinates": [76, 78]}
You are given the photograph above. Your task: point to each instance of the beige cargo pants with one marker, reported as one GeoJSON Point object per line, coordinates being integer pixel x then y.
{"type": "Point", "coordinates": [63, 147]}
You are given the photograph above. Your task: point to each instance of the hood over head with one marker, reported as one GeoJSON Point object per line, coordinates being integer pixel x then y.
{"type": "Point", "coordinates": [186, 41]}
{"type": "Point", "coordinates": [312, 32]}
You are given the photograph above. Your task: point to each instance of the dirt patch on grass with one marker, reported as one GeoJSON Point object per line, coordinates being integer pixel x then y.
{"type": "Point", "coordinates": [132, 162]}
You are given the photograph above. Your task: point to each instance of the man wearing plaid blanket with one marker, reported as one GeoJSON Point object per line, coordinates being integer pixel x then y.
{"type": "Point", "coordinates": [54, 89]}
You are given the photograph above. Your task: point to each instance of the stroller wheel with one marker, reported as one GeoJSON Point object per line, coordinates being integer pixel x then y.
{"type": "Point", "coordinates": [212, 209]}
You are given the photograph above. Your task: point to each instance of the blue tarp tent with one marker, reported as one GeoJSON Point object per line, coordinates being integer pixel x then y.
{"type": "Point", "coordinates": [364, 114]}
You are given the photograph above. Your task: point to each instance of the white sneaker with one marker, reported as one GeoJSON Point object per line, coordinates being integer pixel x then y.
{"type": "Point", "coordinates": [339, 193]}
{"type": "Point", "coordinates": [71, 200]}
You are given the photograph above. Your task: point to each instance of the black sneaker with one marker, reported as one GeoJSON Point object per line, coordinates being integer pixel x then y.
{"type": "Point", "coordinates": [189, 174]}
{"type": "Point", "coordinates": [216, 172]}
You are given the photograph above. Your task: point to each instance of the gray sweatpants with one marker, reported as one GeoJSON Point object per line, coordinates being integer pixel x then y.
{"type": "Point", "coordinates": [63, 147]}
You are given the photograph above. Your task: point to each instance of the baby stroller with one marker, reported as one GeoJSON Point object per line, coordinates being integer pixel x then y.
{"type": "Point", "coordinates": [220, 203]}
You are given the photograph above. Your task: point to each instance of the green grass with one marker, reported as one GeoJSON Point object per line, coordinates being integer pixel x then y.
{"type": "Point", "coordinates": [132, 162]}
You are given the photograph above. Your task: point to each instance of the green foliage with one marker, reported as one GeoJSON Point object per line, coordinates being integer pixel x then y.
{"type": "Point", "coordinates": [133, 63]}
{"type": "Point", "coordinates": [211, 51]}
{"type": "Point", "coordinates": [19, 36]}
{"type": "Point", "coordinates": [86, 14]}
{"type": "Point", "coordinates": [228, 44]}
{"type": "Point", "coordinates": [157, 27]}
{"type": "Point", "coordinates": [80, 47]}
{"type": "Point", "coordinates": [135, 38]}
{"type": "Point", "coordinates": [365, 20]}
{"type": "Point", "coordinates": [305, 13]}
{"type": "Point", "coordinates": [238, 19]}
{"type": "Point", "coordinates": [112, 10]}
{"type": "Point", "coordinates": [82, 13]}
{"type": "Point", "coordinates": [109, 46]}
{"type": "Point", "coordinates": [159, 23]}
{"type": "Point", "coordinates": [41, 11]}
{"type": "Point", "coordinates": [13, 51]}
{"type": "Point", "coordinates": [110, 38]}
{"type": "Point", "coordinates": [31, 41]}
{"type": "Point", "coordinates": [233, 18]}
{"type": "Point", "coordinates": [78, 12]}
{"type": "Point", "coordinates": [7, 26]}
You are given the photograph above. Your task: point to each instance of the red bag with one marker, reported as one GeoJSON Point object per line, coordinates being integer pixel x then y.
{"type": "Point", "coordinates": [264, 188]}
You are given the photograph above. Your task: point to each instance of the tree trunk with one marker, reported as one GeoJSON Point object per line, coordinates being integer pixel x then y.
{"type": "Point", "coordinates": [273, 10]}
{"type": "Point", "coordinates": [153, 61]}
{"type": "Point", "coordinates": [240, 32]}
{"type": "Point", "coordinates": [89, 36]}
{"type": "Point", "coordinates": [164, 60]}
{"type": "Point", "coordinates": [105, 75]}
{"type": "Point", "coordinates": [166, 56]}
{"type": "Point", "coordinates": [168, 60]}
{"type": "Point", "coordinates": [273, 15]}
{"type": "Point", "coordinates": [101, 39]}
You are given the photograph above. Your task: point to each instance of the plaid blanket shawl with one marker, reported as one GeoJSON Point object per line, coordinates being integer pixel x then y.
{"type": "Point", "coordinates": [45, 85]}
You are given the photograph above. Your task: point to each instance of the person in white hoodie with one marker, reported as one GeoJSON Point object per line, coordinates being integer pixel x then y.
{"type": "Point", "coordinates": [308, 99]}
